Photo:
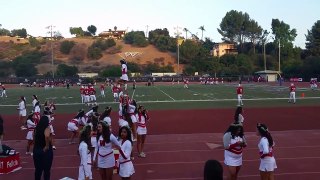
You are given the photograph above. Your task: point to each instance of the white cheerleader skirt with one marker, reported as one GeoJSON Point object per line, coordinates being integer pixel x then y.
{"type": "Point", "coordinates": [124, 77]}
{"type": "Point", "coordinates": [232, 159]}
{"type": "Point", "coordinates": [107, 161]}
{"type": "Point", "coordinates": [126, 169]}
{"type": "Point", "coordinates": [23, 112]}
{"type": "Point", "coordinates": [29, 135]}
{"type": "Point", "coordinates": [141, 130]}
{"type": "Point", "coordinates": [72, 127]}
{"type": "Point", "coordinates": [267, 164]}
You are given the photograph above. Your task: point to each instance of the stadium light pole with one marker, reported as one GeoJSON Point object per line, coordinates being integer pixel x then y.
{"type": "Point", "coordinates": [279, 58]}
{"type": "Point", "coordinates": [51, 40]}
{"type": "Point", "coordinates": [177, 33]}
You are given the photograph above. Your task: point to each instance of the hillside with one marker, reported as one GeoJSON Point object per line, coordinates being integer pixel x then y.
{"type": "Point", "coordinates": [149, 54]}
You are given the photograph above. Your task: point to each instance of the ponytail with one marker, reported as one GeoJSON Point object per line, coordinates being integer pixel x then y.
{"type": "Point", "coordinates": [264, 132]}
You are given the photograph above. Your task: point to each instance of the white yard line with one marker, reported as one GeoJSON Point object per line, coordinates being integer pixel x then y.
{"type": "Point", "coordinates": [165, 94]}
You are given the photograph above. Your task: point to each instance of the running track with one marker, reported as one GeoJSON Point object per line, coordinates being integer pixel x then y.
{"type": "Point", "coordinates": [180, 141]}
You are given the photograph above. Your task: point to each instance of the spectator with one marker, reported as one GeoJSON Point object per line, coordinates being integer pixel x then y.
{"type": "Point", "coordinates": [234, 142]}
{"type": "Point", "coordinates": [213, 170]}
{"type": "Point", "coordinates": [42, 151]}
{"type": "Point", "coordinates": [1, 134]}
{"type": "Point", "coordinates": [267, 161]}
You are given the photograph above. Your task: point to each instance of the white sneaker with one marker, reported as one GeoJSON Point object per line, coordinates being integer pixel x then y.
{"type": "Point", "coordinates": [54, 147]}
{"type": "Point", "coordinates": [23, 128]}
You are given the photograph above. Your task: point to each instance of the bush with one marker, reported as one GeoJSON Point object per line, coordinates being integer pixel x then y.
{"type": "Point", "coordinates": [94, 53]}
{"type": "Point", "coordinates": [66, 46]}
{"type": "Point", "coordinates": [78, 53]}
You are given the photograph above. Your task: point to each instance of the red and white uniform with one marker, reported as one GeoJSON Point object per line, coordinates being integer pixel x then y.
{"type": "Point", "coordinates": [267, 161]}
{"type": "Point", "coordinates": [292, 96]}
{"type": "Point", "coordinates": [115, 91]}
{"type": "Point", "coordinates": [92, 93]}
{"type": "Point", "coordinates": [124, 70]}
{"type": "Point", "coordinates": [104, 152]}
{"type": "Point", "coordinates": [31, 126]}
{"type": "Point", "coordinates": [233, 151]}
{"type": "Point", "coordinates": [141, 124]}
{"type": "Point", "coordinates": [86, 95]}
{"type": "Point", "coordinates": [126, 168]}
{"type": "Point", "coordinates": [239, 95]}
{"type": "Point", "coordinates": [186, 83]}
{"type": "Point", "coordinates": [36, 114]}
{"type": "Point", "coordinates": [85, 162]}
{"type": "Point", "coordinates": [131, 111]}
{"type": "Point", "coordinates": [73, 125]}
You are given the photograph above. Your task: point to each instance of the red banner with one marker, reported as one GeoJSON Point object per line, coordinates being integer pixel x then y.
{"type": "Point", "coordinates": [9, 163]}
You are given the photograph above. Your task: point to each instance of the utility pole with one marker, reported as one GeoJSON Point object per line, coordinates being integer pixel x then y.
{"type": "Point", "coordinates": [264, 56]}
{"type": "Point", "coordinates": [279, 57]}
{"type": "Point", "coordinates": [147, 35]}
{"type": "Point", "coordinates": [177, 33]}
{"type": "Point", "coordinates": [51, 43]}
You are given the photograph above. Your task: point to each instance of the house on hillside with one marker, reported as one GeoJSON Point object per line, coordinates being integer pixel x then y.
{"type": "Point", "coordinates": [220, 49]}
{"type": "Point", "coordinates": [113, 34]}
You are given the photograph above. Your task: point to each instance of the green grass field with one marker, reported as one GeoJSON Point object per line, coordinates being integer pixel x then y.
{"type": "Point", "coordinates": [167, 97]}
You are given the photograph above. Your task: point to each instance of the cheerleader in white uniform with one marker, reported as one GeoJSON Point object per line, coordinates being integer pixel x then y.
{"type": "Point", "coordinates": [142, 117]}
{"type": "Point", "coordinates": [132, 114]}
{"type": "Point", "coordinates": [36, 112]}
{"type": "Point", "coordinates": [238, 117]}
{"type": "Point", "coordinates": [47, 112]}
{"type": "Point", "coordinates": [85, 172]}
{"type": "Point", "coordinates": [103, 155]}
{"type": "Point", "coordinates": [31, 126]}
{"type": "Point", "coordinates": [126, 169]}
{"type": "Point", "coordinates": [105, 116]}
{"type": "Point", "coordinates": [234, 141]}
{"type": "Point", "coordinates": [22, 112]}
{"type": "Point", "coordinates": [267, 160]}
{"type": "Point", "coordinates": [73, 125]}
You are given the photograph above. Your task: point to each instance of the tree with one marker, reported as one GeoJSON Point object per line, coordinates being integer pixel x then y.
{"type": "Point", "coordinates": [19, 32]}
{"type": "Point", "coordinates": [4, 32]}
{"type": "Point", "coordinates": [254, 32]}
{"type": "Point", "coordinates": [92, 29]}
{"type": "Point", "coordinates": [66, 46]}
{"type": "Point", "coordinates": [202, 29]}
{"type": "Point", "coordinates": [64, 70]}
{"type": "Point", "coordinates": [76, 31]}
{"type": "Point", "coordinates": [233, 27]}
{"type": "Point", "coordinates": [189, 50]}
{"type": "Point", "coordinates": [283, 33]}
{"type": "Point", "coordinates": [111, 71]}
{"type": "Point", "coordinates": [25, 70]}
{"type": "Point", "coordinates": [313, 39]}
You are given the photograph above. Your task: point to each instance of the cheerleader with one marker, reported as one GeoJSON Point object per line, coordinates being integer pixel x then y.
{"type": "Point", "coordinates": [73, 125]}
{"type": "Point", "coordinates": [103, 156]}
{"type": "Point", "coordinates": [234, 142]}
{"type": "Point", "coordinates": [94, 126]}
{"type": "Point", "coordinates": [238, 117]}
{"type": "Point", "coordinates": [85, 172]}
{"type": "Point", "coordinates": [124, 77]}
{"type": "Point", "coordinates": [132, 115]}
{"type": "Point", "coordinates": [47, 112]}
{"type": "Point", "coordinates": [31, 126]}
{"type": "Point", "coordinates": [22, 112]}
{"type": "Point", "coordinates": [126, 169]}
{"type": "Point", "coordinates": [34, 100]}
{"type": "Point", "coordinates": [105, 116]}
{"type": "Point", "coordinates": [36, 112]}
{"type": "Point", "coordinates": [267, 160]}
{"type": "Point", "coordinates": [142, 118]}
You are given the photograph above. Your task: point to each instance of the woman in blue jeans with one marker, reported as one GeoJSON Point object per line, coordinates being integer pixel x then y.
{"type": "Point", "coordinates": [42, 151]}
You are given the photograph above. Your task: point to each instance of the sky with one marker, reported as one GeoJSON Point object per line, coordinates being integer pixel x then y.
{"type": "Point", "coordinates": [143, 15]}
